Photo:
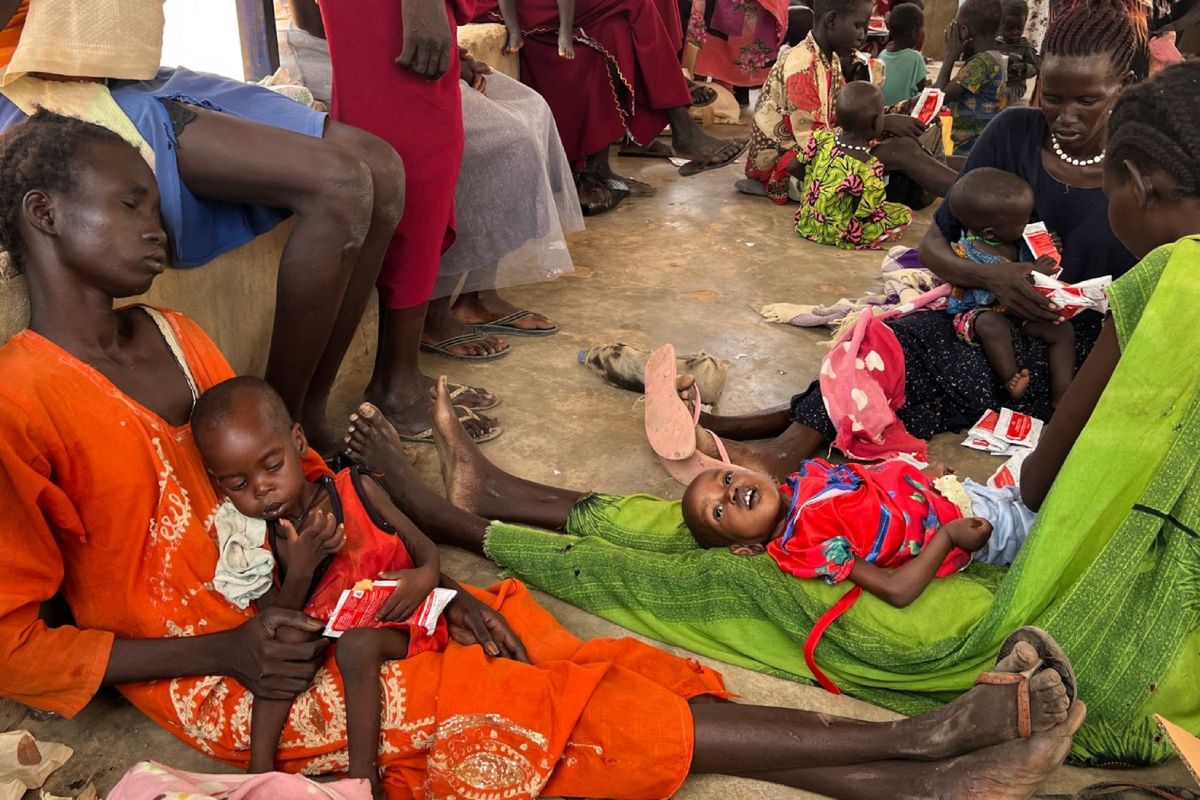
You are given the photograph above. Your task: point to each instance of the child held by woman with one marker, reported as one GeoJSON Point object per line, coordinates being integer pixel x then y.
{"type": "Point", "coordinates": [327, 535]}
{"type": "Point", "coordinates": [994, 207]}
{"type": "Point", "coordinates": [840, 183]}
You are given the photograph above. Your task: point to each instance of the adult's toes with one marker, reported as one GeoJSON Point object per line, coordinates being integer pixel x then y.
{"type": "Point", "coordinates": [1022, 657]}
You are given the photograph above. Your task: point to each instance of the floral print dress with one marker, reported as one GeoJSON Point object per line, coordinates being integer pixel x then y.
{"type": "Point", "coordinates": [843, 203]}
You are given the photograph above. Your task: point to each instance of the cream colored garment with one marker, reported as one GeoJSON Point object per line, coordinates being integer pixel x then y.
{"type": "Point", "coordinates": [90, 39]}
{"type": "Point", "coordinates": [85, 100]}
{"type": "Point", "coordinates": [245, 567]}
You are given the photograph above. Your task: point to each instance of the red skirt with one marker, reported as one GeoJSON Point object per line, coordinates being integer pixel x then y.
{"type": "Point", "coordinates": [421, 119]}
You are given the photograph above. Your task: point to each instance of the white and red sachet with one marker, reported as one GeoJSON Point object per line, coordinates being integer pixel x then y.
{"type": "Point", "coordinates": [1004, 432]}
{"type": "Point", "coordinates": [1040, 242]}
{"type": "Point", "coordinates": [1074, 298]}
{"type": "Point", "coordinates": [928, 105]}
{"type": "Point", "coordinates": [357, 607]}
{"type": "Point", "coordinates": [1009, 473]}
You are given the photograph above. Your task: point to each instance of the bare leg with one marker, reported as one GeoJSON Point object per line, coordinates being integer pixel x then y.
{"type": "Point", "coordinates": [441, 324]}
{"type": "Point", "coordinates": [359, 654]}
{"type": "Point", "coordinates": [1010, 771]}
{"type": "Point", "coordinates": [397, 386]}
{"type": "Point", "coordinates": [1061, 341]}
{"type": "Point", "coordinates": [268, 717]}
{"type": "Point", "coordinates": [994, 334]}
{"type": "Point", "coordinates": [329, 186]}
{"type": "Point", "coordinates": [903, 154]}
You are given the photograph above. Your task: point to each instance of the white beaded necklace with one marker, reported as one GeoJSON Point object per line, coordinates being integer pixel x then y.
{"type": "Point", "coordinates": [858, 148]}
{"type": "Point", "coordinates": [1077, 162]}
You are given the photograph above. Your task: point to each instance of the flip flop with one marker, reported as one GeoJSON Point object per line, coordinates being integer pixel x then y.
{"type": "Point", "coordinates": [458, 389]}
{"type": "Point", "coordinates": [1051, 656]}
{"type": "Point", "coordinates": [504, 325]}
{"type": "Point", "coordinates": [725, 155]}
{"type": "Point", "coordinates": [670, 427]}
{"type": "Point", "coordinates": [442, 348]}
{"type": "Point", "coordinates": [656, 149]}
{"type": "Point", "coordinates": [464, 415]}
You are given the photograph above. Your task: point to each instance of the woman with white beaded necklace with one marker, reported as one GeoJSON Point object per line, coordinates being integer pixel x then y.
{"type": "Point", "coordinates": [1058, 149]}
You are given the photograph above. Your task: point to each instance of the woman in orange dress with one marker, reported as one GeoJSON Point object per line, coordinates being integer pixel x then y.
{"type": "Point", "coordinates": [105, 499]}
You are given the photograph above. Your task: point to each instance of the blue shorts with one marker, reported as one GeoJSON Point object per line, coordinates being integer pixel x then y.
{"type": "Point", "coordinates": [200, 229]}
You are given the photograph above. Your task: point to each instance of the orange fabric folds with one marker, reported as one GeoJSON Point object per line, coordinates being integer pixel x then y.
{"type": "Point", "coordinates": [12, 34]}
{"type": "Point", "coordinates": [104, 498]}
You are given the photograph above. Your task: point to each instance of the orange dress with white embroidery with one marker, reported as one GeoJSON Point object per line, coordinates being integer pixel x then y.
{"type": "Point", "coordinates": [104, 500]}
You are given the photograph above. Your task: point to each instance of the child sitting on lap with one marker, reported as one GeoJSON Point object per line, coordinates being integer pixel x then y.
{"type": "Point", "coordinates": [329, 534]}
{"type": "Point", "coordinates": [993, 207]}
{"type": "Point", "coordinates": [889, 528]}
{"type": "Point", "coordinates": [980, 89]}
{"type": "Point", "coordinates": [842, 202]}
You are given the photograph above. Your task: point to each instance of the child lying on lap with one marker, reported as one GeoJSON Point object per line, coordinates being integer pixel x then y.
{"type": "Point", "coordinates": [327, 535]}
{"type": "Point", "coordinates": [889, 528]}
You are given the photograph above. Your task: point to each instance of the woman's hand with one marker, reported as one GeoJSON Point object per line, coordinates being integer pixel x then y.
{"type": "Point", "coordinates": [269, 668]}
{"type": "Point", "coordinates": [427, 39]}
{"type": "Point", "coordinates": [515, 40]}
{"type": "Point", "coordinates": [473, 72]}
{"type": "Point", "coordinates": [471, 622]}
{"type": "Point", "coordinates": [1011, 284]}
{"type": "Point", "coordinates": [903, 125]}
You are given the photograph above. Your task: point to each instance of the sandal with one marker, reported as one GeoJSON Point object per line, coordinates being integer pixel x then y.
{"type": "Point", "coordinates": [464, 415]}
{"type": "Point", "coordinates": [504, 325]}
{"type": "Point", "coordinates": [608, 193]}
{"type": "Point", "coordinates": [442, 348]}
{"type": "Point", "coordinates": [670, 427]}
{"type": "Point", "coordinates": [1051, 656]}
{"type": "Point", "coordinates": [458, 390]}
{"type": "Point", "coordinates": [724, 155]}
{"type": "Point", "coordinates": [656, 149]}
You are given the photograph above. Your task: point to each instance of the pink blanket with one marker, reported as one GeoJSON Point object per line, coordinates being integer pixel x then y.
{"type": "Point", "coordinates": [152, 781]}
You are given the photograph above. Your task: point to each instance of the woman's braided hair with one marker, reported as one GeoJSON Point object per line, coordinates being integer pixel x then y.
{"type": "Point", "coordinates": [1154, 124]}
{"type": "Point", "coordinates": [1092, 27]}
{"type": "Point", "coordinates": [40, 153]}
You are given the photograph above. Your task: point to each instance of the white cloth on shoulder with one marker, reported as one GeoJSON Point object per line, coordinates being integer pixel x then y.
{"type": "Point", "coordinates": [245, 567]}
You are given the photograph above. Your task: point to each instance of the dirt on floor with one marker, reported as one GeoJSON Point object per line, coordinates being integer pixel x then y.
{"type": "Point", "coordinates": [691, 265]}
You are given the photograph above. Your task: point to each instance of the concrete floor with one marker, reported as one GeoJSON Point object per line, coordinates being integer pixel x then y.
{"type": "Point", "coordinates": [690, 266]}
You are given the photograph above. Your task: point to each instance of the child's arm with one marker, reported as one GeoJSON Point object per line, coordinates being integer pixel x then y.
{"type": "Point", "coordinates": [957, 39]}
{"type": "Point", "coordinates": [516, 39]}
{"type": "Point", "coordinates": [566, 25]}
{"type": "Point", "coordinates": [414, 584]}
{"type": "Point", "coordinates": [302, 553]}
{"type": "Point", "coordinates": [901, 586]}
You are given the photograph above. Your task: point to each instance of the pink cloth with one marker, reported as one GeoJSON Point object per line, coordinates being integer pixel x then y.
{"type": "Point", "coordinates": [862, 381]}
{"type": "Point", "coordinates": [150, 780]}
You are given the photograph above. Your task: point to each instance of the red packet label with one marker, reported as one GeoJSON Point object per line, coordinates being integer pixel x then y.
{"type": "Point", "coordinates": [928, 105]}
{"type": "Point", "coordinates": [1040, 243]}
{"type": "Point", "coordinates": [357, 607]}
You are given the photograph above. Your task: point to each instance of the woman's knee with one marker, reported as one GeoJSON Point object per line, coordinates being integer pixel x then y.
{"type": "Point", "coordinates": [383, 162]}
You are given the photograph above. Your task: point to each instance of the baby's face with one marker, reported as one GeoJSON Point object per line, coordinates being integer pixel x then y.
{"type": "Point", "coordinates": [258, 469]}
{"type": "Point", "coordinates": [736, 505]}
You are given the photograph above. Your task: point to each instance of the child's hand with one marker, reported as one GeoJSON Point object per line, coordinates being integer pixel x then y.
{"type": "Point", "coordinates": [1045, 265]}
{"type": "Point", "coordinates": [958, 36]}
{"type": "Point", "coordinates": [969, 533]}
{"type": "Point", "coordinates": [413, 586]}
{"type": "Point", "coordinates": [319, 538]}
{"type": "Point", "coordinates": [515, 41]}
{"type": "Point", "coordinates": [566, 47]}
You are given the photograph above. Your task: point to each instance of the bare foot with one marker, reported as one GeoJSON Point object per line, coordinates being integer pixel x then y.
{"type": "Point", "coordinates": [480, 308]}
{"type": "Point", "coordinates": [987, 714]}
{"type": "Point", "coordinates": [408, 407]}
{"type": "Point", "coordinates": [1010, 771]}
{"type": "Point", "coordinates": [1018, 384]}
{"type": "Point", "coordinates": [441, 324]}
{"type": "Point", "coordinates": [464, 469]}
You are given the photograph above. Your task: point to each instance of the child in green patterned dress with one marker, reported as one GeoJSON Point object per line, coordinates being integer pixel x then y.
{"type": "Point", "coordinates": [840, 184]}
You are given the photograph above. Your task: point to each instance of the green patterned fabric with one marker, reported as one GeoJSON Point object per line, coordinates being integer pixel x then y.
{"type": "Point", "coordinates": [1111, 569]}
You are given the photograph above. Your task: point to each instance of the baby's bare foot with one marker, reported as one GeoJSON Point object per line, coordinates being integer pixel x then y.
{"type": "Point", "coordinates": [1018, 384]}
